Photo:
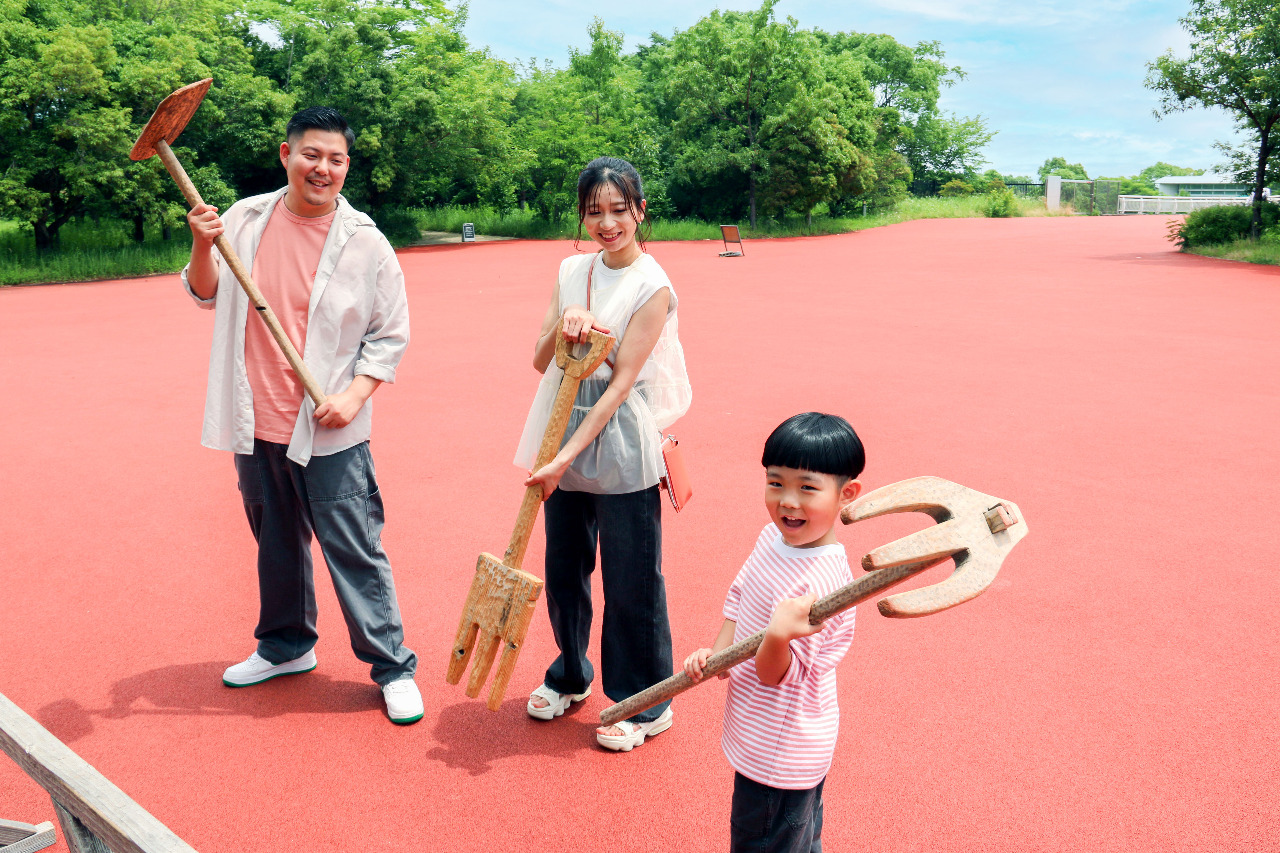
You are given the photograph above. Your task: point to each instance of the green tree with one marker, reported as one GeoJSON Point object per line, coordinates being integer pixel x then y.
{"type": "Point", "coordinates": [431, 114]}
{"type": "Point", "coordinates": [1161, 169]}
{"type": "Point", "coordinates": [941, 147]}
{"type": "Point", "coordinates": [568, 117]}
{"type": "Point", "coordinates": [1060, 167]}
{"type": "Point", "coordinates": [758, 113]}
{"type": "Point", "coordinates": [906, 83]}
{"type": "Point", "coordinates": [79, 80]}
{"type": "Point", "coordinates": [1234, 64]}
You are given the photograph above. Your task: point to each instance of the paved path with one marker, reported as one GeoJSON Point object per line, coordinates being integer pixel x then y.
{"type": "Point", "coordinates": [1116, 689]}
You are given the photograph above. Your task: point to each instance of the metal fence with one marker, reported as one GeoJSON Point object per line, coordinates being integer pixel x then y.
{"type": "Point", "coordinates": [1092, 198]}
{"type": "Point", "coordinates": [1027, 190]}
{"type": "Point", "coordinates": [1175, 204]}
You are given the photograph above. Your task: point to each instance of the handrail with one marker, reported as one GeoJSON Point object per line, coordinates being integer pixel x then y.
{"type": "Point", "coordinates": [89, 807]}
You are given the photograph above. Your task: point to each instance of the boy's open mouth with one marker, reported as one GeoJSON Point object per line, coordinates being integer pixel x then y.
{"type": "Point", "coordinates": [792, 523]}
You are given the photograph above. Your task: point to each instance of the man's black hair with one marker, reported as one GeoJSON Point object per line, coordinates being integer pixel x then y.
{"type": "Point", "coordinates": [813, 441]}
{"type": "Point", "coordinates": [320, 118]}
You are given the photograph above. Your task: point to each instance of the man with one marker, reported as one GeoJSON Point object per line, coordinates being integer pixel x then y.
{"type": "Point", "coordinates": [334, 283]}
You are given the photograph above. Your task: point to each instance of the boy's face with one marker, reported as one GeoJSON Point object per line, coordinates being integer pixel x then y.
{"type": "Point", "coordinates": [805, 504]}
{"type": "Point", "coordinates": [316, 163]}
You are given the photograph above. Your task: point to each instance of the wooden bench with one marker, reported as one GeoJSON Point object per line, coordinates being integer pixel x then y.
{"type": "Point", "coordinates": [96, 816]}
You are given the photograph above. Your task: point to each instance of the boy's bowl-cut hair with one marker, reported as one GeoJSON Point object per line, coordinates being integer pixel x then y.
{"type": "Point", "coordinates": [814, 441]}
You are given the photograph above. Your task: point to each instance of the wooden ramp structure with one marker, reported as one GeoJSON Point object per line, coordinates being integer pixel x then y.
{"type": "Point", "coordinates": [95, 815]}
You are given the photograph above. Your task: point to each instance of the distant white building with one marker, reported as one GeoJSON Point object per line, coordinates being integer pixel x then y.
{"type": "Point", "coordinates": [1208, 184]}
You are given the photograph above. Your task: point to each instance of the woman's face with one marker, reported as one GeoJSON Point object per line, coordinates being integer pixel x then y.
{"type": "Point", "coordinates": [612, 224]}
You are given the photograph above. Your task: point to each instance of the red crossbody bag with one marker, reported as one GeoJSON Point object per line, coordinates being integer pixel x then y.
{"type": "Point", "coordinates": [676, 479]}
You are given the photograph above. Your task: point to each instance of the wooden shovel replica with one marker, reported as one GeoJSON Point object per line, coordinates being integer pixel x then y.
{"type": "Point", "coordinates": [501, 602]}
{"type": "Point", "coordinates": [974, 529]}
{"type": "Point", "coordinates": [167, 122]}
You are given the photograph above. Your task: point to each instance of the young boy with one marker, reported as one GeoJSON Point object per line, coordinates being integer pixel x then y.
{"type": "Point", "coordinates": [781, 715]}
{"type": "Point", "coordinates": [335, 284]}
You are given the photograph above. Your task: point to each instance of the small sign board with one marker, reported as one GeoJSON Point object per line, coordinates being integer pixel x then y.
{"type": "Point", "coordinates": [729, 233]}
{"type": "Point", "coordinates": [468, 232]}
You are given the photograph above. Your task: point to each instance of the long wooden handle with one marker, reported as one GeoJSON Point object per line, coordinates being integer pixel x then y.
{"type": "Point", "coordinates": [242, 275]}
{"type": "Point", "coordinates": [822, 610]}
{"type": "Point", "coordinates": [575, 370]}
{"type": "Point", "coordinates": [551, 438]}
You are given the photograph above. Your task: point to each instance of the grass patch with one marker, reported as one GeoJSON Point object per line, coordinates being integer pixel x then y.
{"type": "Point", "coordinates": [1254, 252]}
{"type": "Point", "coordinates": [88, 251]}
{"type": "Point", "coordinates": [525, 224]}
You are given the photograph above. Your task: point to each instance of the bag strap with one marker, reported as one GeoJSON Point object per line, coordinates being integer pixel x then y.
{"type": "Point", "coordinates": [591, 268]}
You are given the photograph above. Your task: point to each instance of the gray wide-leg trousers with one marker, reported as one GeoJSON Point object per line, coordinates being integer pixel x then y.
{"type": "Point", "coordinates": [337, 497]}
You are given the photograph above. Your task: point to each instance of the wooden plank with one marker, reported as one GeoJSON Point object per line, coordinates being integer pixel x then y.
{"type": "Point", "coordinates": [79, 838]}
{"type": "Point", "coordinates": [18, 837]}
{"type": "Point", "coordinates": [74, 785]}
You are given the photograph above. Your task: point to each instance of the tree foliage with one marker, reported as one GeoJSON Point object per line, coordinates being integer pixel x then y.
{"type": "Point", "coordinates": [1234, 64]}
{"type": "Point", "coordinates": [1060, 167]}
{"type": "Point", "coordinates": [743, 114]}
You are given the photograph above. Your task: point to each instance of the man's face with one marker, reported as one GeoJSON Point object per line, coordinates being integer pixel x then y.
{"type": "Point", "coordinates": [316, 163]}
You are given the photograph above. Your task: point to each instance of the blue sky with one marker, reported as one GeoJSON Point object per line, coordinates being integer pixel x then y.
{"type": "Point", "coordinates": [1054, 78]}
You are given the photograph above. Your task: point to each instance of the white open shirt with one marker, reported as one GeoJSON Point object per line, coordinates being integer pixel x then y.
{"type": "Point", "coordinates": [357, 324]}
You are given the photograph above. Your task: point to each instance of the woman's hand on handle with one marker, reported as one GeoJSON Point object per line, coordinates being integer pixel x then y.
{"type": "Point", "coordinates": [548, 477]}
{"type": "Point", "coordinates": [576, 324]}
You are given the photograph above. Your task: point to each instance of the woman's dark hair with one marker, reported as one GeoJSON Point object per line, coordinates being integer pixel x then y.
{"type": "Point", "coordinates": [625, 179]}
{"type": "Point", "coordinates": [813, 441]}
{"type": "Point", "coordinates": [320, 118]}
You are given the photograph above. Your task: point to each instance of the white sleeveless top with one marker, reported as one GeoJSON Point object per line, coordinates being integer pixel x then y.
{"type": "Point", "coordinates": [626, 456]}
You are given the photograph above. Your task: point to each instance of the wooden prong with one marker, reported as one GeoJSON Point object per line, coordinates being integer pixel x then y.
{"type": "Point", "coordinates": [462, 647]}
{"type": "Point", "coordinates": [933, 544]}
{"type": "Point", "coordinates": [486, 650]}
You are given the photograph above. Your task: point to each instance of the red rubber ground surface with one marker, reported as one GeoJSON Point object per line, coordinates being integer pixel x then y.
{"type": "Point", "coordinates": [1115, 690]}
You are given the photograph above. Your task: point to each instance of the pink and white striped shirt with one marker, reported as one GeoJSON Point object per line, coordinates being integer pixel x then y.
{"type": "Point", "coordinates": [784, 736]}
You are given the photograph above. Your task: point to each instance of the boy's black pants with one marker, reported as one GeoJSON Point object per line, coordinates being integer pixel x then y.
{"type": "Point", "coordinates": [774, 820]}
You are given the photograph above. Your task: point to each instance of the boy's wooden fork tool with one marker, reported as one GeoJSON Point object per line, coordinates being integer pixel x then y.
{"type": "Point", "coordinates": [502, 599]}
{"type": "Point", "coordinates": [167, 122]}
{"type": "Point", "coordinates": [974, 529]}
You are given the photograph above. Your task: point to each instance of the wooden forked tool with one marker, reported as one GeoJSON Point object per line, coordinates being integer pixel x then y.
{"type": "Point", "coordinates": [974, 529]}
{"type": "Point", "coordinates": [502, 599]}
{"type": "Point", "coordinates": [167, 122]}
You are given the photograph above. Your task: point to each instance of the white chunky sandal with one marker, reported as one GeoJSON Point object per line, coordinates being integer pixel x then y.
{"type": "Point", "coordinates": [634, 733]}
{"type": "Point", "coordinates": [556, 702]}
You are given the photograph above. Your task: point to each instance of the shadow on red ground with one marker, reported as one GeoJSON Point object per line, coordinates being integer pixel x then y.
{"type": "Point", "coordinates": [1115, 690]}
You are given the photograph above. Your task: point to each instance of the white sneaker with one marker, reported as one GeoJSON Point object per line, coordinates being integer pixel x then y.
{"type": "Point", "coordinates": [258, 669]}
{"type": "Point", "coordinates": [404, 702]}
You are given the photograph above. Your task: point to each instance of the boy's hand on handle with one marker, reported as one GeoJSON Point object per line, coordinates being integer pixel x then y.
{"type": "Point", "coordinates": [548, 476]}
{"type": "Point", "coordinates": [205, 224]}
{"type": "Point", "coordinates": [790, 619]}
{"type": "Point", "coordinates": [695, 663]}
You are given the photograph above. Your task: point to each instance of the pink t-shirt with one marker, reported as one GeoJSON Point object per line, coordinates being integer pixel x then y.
{"type": "Point", "coordinates": [784, 736]}
{"type": "Point", "coordinates": [283, 268]}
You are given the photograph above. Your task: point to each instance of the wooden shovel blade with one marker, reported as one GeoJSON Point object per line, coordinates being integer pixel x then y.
{"type": "Point", "coordinates": [170, 118]}
{"type": "Point", "coordinates": [497, 614]}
